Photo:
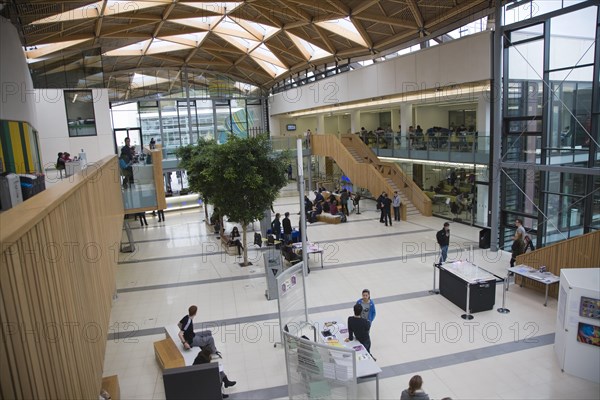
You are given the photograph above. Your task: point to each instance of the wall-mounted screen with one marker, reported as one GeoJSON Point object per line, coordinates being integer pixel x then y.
{"type": "Point", "coordinates": [290, 127]}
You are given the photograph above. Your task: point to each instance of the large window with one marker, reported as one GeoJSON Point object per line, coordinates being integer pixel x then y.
{"type": "Point", "coordinates": [549, 132]}
{"type": "Point", "coordinates": [81, 120]}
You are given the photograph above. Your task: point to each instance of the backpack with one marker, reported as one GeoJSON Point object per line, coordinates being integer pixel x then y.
{"type": "Point", "coordinates": [122, 163]}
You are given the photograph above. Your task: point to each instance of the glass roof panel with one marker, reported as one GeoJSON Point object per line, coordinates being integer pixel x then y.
{"type": "Point", "coordinates": [260, 31]}
{"type": "Point", "coordinates": [314, 52]}
{"type": "Point", "coordinates": [32, 53]}
{"type": "Point", "coordinates": [188, 39]}
{"type": "Point", "coordinates": [93, 10]}
{"type": "Point", "coordinates": [343, 27]}
{"type": "Point", "coordinates": [229, 27]}
{"type": "Point", "coordinates": [204, 23]}
{"type": "Point", "coordinates": [215, 7]}
{"type": "Point", "coordinates": [162, 46]}
{"type": "Point", "coordinates": [135, 49]}
{"type": "Point", "coordinates": [262, 52]}
{"type": "Point", "coordinates": [272, 69]}
{"type": "Point", "coordinates": [244, 45]}
{"type": "Point", "coordinates": [141, 80]}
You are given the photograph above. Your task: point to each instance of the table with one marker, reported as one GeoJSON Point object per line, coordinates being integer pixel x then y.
{"type": "Point", "coordinates": [547, 278]}
{"type": "Point", "coordinates": [468, 286]}
{"type": "Point", "coordinates": [311, 248]}
{"type": "Point", "coordinates": [366, 367]}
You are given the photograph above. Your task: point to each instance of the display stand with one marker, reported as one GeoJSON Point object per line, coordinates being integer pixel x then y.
{"type": "Point", "coordinates": [468, 315]}
{"type": "Point", "coordinates": [503, 309]}
{"type": "Point", "coordinates": [434, 290]}
{"type": "Point", "coordinates": [291, 301]}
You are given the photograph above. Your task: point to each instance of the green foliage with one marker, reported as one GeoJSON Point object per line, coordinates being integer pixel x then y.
{"type": "Point", "coordinates": [241, 177]}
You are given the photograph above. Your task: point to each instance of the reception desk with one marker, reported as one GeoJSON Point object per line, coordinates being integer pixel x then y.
{"type": "Point", "coordinates": [471, 288]}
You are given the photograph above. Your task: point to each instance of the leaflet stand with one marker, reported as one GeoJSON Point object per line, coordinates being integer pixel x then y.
{"type": "Point", "coordinates": [468, 315]}
{"type": "Point", "coordinates": [503, 309]}
{"type": "Point", "coordinates": [434, 290]}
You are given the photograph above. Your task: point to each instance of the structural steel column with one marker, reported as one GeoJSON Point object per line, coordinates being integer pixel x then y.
{"type": "Point", "coordinates": [496, 99]}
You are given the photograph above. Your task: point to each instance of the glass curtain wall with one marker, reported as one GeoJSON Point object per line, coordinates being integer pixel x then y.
{"type": "Point", "coordinates": [550, 127]}
{"type": "Point", "coordinates": [171, 125]}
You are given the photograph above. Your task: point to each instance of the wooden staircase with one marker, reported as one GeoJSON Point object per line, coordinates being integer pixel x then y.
{"type": "Point", "coordinates": [365, 169]}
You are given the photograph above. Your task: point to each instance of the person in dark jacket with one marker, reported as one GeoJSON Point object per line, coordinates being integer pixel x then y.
{"type": "Point", "coordinates": [359, 327]}
{"type": "Point", "coordinates": [287, 228]}
{"type": "Point", "coordinates": [443, 239]}
{"type": "Point", "coordinates": [517, 248]}
{"type": "Point", "coordinates": [203, 358]}
{"type": "Point", "coordinates": [380, 206]}
{"type": "Point", "coordinates": [387, 209]}
{"type": "Point", "coordinates": [276, 226]}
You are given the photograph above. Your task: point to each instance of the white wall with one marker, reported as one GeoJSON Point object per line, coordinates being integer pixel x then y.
{"type": "Point", "coordinates": [53, 129]}
{"type": "Point", "coordinates": [429, 117]}
{"type": "Point", "coordinates": [369, 121]}
{"type": "Point", "coordinates": [458, 61]}
{"type": "Point", "coordinates": [18, 97]}
{"type": "Point", "coordinates": [302, 125]}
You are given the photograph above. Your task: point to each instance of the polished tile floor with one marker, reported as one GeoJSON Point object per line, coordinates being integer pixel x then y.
{"type": "Point", "coordinates": [179, 263]}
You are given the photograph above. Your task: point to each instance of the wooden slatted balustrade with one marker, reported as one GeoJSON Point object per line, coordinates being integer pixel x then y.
{"type": "Point", "coordinates": [59, 256]}
{"type": "Point", "coordinates": [578, 252]}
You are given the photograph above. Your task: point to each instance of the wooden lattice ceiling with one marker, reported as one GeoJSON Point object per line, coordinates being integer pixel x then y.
{"type": "Point", "coordinates": [258, 42]}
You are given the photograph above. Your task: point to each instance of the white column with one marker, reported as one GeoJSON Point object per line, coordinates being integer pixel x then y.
{"type": "Point", "coordinates": [406, 117]}
{"type": "Point", "coordinates": [320, 128]}
{"type": "Point", "coordinates": [397, 119]}
{"type": "Point", "coordinates": [355, 121]}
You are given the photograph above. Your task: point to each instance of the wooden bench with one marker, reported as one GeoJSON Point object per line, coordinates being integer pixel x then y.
{"type": "Point", "coordinates": [167, 354]}
{"type": "Point", "coordinates": [328, 218]}
{"type": "Point", "coordinates": [111, 385]}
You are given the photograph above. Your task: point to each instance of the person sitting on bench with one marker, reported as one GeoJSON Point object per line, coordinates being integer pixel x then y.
{"type": "Point", "coordinates": [233, 241]}
{"type": "Point", "coordinates": [189, 338]}
{"type": "Point", "coordinates": [204, 358]}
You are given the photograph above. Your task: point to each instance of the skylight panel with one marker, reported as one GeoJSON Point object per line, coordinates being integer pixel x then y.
{"type": "Point", "coordinates": [244, 45]}
{"type": "Point", "coordinates": [262, 52]}
{"type": "Point", "coordinates": [215, 7]}
{"type": "Point", "coordinates": [343, 27]}
{"type": "Point", "coordinates": [204, 23]}
{"type": "Point", "coordinates": [93, 10]}
{"type": "Point", "coordinates": [229, 27]}
{"type": "Point", "coordinates": [162, 46]}
{"type": "Point", "coordinates": [135, 49]}
{"type": "Point", "coordinates": [272, 69]}
{"type": "Point", "coordinates": [310, 51]}
{"type": "Point", "coordinates": [140, 80]}
{"type": "Point", "coordinates": [41, 50]}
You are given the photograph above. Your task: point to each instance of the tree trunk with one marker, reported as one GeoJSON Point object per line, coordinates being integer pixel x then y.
{"type": "Point", "coordinates": [205, 210]}
{"type": "Point", "coordinates": [244, 243]}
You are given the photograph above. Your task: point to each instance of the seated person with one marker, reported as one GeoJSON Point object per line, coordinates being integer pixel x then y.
{"type": "Point", "coordinates": [189, 338]}
{"type": "Point", "coordinates": [60, 162]}
{"type": "Point", "coordinates": [67, 157]}
{"type": "Point", "coordinates": [414, 390]}
{"type": "Point", "coordinates": [317, 210]}
{"type": "Point", "coordinates": [318, 197]}
{"type": "Point", "coordinates": [333, 208]}
{"type": "Point", "coordinates": [308, 205]}
{"type": "Point", "coordinates": [289, 254]}
{"type": "Point", "coordinates": [203, 358]}
{"type": "Point", "coordinates": [235, 233]}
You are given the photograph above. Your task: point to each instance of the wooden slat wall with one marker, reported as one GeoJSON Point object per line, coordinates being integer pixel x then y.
{"type": "Point", "coordinates": [59, 255]}
{"type": "Point", "coordinates": [579, 252]}
{"type": "Point", "coordinates": [371, 174]}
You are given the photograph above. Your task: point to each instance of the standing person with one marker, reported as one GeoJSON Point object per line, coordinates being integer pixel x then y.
{"type": "Point", "coordinates": [152, 144]}
{"type": "Point", "coordinates": [360, 328]}
{"type": "Point", "coordinates": [524, 235]}
{"type": "Point", "coordinates": [276, 226]}
{"type": "Point", "coordinates": [396, 203]}
{"type": "Point", "coordinates": [161, 215]}
{"type": "Point", "coordinates": [344, 196]}
{"type": "Point", "coordinates": [380, 206]}
{"type": "Point", "coordinates": [203, 358]}
{"type": "Point", "coordinates": [387, 209]}
{"type": "Point", "coordinates": [287, 228]}
{"type": "Point", "coordinates": [368, 306]}
{"type": "Point", "coordinates": [517, 248]}
{"type": "Point", "coordinates": [189, 338]}
{"type": "Point", "coordinates": [308, 137]}
{"type": "Point", "coordinates": [414, 390]}
{"type": "Point", "coordinates": [443, 239]}
{"type": "Point", "coordinates": [129, 154]}
{"type": "Point", "coordinates": [142, 218]}
{"type": "Point", "coordinates": [289, 171]}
